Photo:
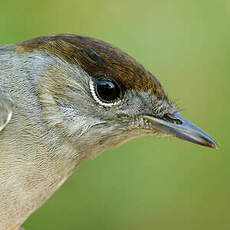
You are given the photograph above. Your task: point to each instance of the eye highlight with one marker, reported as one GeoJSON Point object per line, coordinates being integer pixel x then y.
{"type": "Point", "coordinates": [105, 91]}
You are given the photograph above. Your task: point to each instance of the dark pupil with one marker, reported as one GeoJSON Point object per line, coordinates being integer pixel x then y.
{"type": "Point", "coordinates": [107, 90]}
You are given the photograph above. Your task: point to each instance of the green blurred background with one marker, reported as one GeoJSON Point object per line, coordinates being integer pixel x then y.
{"type": "Point", "coordinates": [148, 183]}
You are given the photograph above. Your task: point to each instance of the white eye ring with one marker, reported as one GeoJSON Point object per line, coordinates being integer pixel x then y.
{"type": "Point", "coordinates": [97, 99]}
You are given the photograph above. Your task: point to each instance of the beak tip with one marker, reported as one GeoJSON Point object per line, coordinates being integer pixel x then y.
{"type": "Point", "coordinates": [214, 145]}
{"type": "Point", "coordinates": [209, 142]}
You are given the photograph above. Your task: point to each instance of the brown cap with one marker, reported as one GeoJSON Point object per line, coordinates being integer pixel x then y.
{"type": "Point", "coordinates": [97, 58]}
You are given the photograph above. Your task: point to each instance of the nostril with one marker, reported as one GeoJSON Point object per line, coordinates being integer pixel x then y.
{"type": "Point", "coordinates": [171, 119]}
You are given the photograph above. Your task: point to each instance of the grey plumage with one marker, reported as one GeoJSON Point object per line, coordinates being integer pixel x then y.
{"type": "Point", "coordinates": [50, 120]}
{"type": "Point", "coordinates": [50, 132]}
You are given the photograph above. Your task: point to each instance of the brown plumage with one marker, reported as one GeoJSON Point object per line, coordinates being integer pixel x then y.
{"type": "Point", "coordinates": [97, 58]}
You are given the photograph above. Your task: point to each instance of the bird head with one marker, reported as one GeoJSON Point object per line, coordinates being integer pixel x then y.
{"type": "Point", "coordinates": [98, 96]}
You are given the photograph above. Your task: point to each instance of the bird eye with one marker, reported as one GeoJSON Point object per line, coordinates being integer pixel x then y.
{"type": "Point", "coordinates": [105, 91]}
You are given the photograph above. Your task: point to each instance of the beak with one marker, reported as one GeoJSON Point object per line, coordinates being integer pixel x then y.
{"type": "Point", "coordinates": [177, 125]}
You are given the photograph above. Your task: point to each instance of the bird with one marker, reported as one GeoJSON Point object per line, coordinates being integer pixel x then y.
{"type": "Point", "coordinates": [65, 98]}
